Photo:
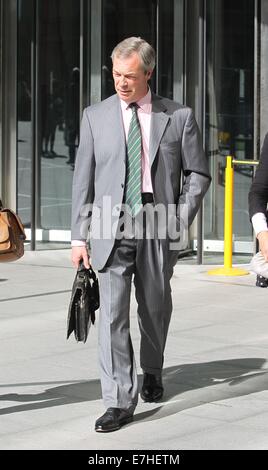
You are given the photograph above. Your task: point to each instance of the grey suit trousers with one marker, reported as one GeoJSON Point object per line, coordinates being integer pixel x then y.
{"type": "Point", "coordinates": [144, 261]}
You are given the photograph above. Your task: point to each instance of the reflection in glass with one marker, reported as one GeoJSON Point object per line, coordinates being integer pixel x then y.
{"type": "Point", "coordinates": [139, 18]}
{"type": "Point", "coordinates": [229, 109]}
{"type": "Point", "coordinates": [58, 108]}
{"type": "Point", "coordinates": [122, 19]}
{"type": "Point", "coordinates": [59, 23]}
{"type": "Point", "coordinates": [24, 97]}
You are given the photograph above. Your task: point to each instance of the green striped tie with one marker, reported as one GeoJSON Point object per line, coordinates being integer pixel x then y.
{"type": "Point", "coordinates": [133, 178]}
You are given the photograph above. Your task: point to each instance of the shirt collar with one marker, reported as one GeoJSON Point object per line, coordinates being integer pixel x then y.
{"type": "Point", "coordinates": [144, 103]}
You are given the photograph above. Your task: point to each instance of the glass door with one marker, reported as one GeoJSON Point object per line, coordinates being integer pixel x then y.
{"type": "Point", "coordinates": [24, 109]}
{"type": "Point", "coordinates": [48, 90]}
{"type": "Point", "coordinates": [59, 74]}
{"type": "Point", "coordinates": [59, 108]}
{"type": "Point", "coordinates": [154, 21]}
{"type": "Point", "coordinates": [229, 120]}
{"type": "Point", "coordinates": [129, 18]}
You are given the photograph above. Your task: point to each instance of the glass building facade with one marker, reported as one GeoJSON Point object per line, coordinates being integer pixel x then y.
{"type": "Point", "coordinates": [55, 60]}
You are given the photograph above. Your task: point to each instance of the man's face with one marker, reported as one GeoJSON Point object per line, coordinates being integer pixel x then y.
{"type": "Point", "coordinates": [130, 80]}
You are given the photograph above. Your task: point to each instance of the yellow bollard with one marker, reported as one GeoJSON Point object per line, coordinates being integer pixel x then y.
{"type": "Point", "coordinates": [228, 270]}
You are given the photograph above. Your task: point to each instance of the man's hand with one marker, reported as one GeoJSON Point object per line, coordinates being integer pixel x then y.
{"type": "Point", "coordinates": [80, 253]}
{"type": "Point", "coordinates": [263, 241]}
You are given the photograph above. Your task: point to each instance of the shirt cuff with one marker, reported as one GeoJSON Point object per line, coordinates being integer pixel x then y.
{"type": "Point", "coordinates": [78, 243]}
{"type": "Point", "coordinates": [259, 223]}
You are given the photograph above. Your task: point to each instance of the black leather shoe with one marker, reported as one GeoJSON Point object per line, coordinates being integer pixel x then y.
{"type": "Point", "coordinates": [152, 388]}
{"type": "Point", "coordinates": [112, 420]}
{"type": "Point", "coordinates": [261, 281]}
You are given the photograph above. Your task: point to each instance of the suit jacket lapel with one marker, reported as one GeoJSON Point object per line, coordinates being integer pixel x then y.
{"type": "Point", "coordinates": [116, 127]}
{"type": "Point", "coordinates": [159, 122]}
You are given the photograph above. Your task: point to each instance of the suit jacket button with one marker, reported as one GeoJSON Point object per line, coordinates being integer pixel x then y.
{"type": "Point", "coordinates": [122, 185]}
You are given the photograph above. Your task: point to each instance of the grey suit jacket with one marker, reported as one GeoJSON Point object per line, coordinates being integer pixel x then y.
{"type": "Point", "coordinates": [100, 170]}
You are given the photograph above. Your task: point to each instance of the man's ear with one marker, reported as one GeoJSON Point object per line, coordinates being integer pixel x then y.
{"type": "Point", "coordinates": [149, 74]}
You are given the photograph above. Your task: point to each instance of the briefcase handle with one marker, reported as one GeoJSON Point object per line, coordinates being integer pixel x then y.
{"type": "Point", "coordinates": [90, 271]}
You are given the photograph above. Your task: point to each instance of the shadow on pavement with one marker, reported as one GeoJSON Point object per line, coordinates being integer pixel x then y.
{"type": "Point", "coordinates": [186, 386]}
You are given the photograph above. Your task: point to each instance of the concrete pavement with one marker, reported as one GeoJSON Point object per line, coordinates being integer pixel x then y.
{"type": "Point", "coordinates": [215, 373]}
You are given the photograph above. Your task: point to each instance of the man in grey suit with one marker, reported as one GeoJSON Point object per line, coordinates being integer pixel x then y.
{"type": "Point", "coordinates": [135, 150]}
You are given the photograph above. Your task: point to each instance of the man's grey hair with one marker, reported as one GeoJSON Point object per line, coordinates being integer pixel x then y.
{"type": "Point", "coordinates": [130, 45]}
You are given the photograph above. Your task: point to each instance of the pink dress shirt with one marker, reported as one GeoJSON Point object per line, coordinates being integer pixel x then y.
{"type": "Point", "coordinates": [144, 115]}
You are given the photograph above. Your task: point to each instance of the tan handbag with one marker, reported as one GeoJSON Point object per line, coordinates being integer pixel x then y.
{"type": "Point", "coordinates": [12, 235]}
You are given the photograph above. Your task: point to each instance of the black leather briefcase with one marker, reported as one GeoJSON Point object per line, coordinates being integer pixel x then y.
{"type": "Point", "coordinates": [83, 304]}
